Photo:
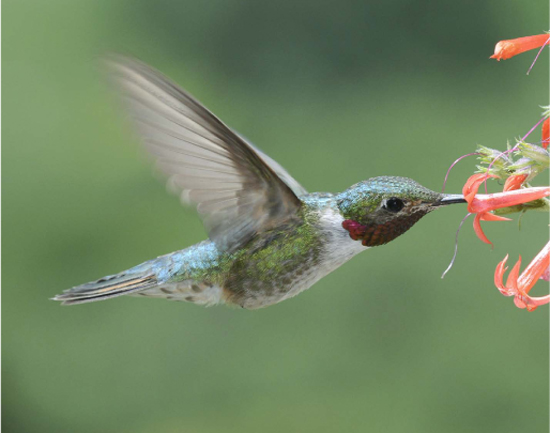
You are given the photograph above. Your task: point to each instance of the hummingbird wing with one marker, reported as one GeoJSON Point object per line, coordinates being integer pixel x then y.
{"type": "Point", "coordinates": [284, 175]}
{"type": "Point", "coordinates": [237, 190]}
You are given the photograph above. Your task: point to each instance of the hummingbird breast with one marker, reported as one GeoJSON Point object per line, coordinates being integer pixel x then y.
{"type": "Point", "coordinates": [280, 264]}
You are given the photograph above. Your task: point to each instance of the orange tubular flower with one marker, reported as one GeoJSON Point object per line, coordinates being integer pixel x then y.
{"type": "Point", "coordinates": [546, 133]}
{"type": "Point", "coordinates": [519, 285]}
{"type": "Point", "coordinates": [512, 47]}
{"type": "Point", "coordinates": [514, 182]}
{"type": "Point", "coordinates": [482, 204]}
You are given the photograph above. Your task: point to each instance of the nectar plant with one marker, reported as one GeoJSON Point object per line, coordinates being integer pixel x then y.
{"type": "Point", "coordinates": [517, 166]}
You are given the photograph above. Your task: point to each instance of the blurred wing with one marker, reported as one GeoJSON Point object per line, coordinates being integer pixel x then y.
{"type": "Point", "coordinates": [237, 192]}
{"type": "Point", "coordinates": [292, 183]}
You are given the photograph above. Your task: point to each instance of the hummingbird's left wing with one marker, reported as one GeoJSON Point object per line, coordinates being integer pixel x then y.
{"type": "Point", "coordinates": [238, 190]}
{"type": "Point", "coordinates": [279, 170]}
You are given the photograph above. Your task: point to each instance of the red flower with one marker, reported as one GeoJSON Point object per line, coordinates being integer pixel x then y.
{"type": "Point", "coordinates": [519, 285]}
{"type": "Point", "coordinates": [482, 204]}
{"type": "Point", "coordinates": [514, 182]}
{"type": "Point", "coordinates": [546, 133]}
{"type": "Point", "coordinates": [512, 47]}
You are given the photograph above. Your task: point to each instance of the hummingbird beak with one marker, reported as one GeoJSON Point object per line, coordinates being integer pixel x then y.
{"type": "Point", "coordinates": [449, 199]}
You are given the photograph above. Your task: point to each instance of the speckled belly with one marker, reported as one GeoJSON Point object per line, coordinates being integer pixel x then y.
{"type": "Point", "coordinates": [273, 268]}
{"type": "Point", "coordinates": [252, 293]}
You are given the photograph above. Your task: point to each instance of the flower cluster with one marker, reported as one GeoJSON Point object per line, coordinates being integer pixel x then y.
{"type": "Point", "coordinates": [517, 166]}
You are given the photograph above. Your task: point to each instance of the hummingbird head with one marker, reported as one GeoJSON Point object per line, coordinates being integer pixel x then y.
{"type": "Point", "coordinates": [379, 209]}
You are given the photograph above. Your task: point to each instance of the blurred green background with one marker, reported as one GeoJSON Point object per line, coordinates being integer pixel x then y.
{"type": "Point", "coordinates": [336, 92]}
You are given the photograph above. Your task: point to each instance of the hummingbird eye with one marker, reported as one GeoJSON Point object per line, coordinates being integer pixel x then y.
{"type": "Point", "coordinates": [394, 204]}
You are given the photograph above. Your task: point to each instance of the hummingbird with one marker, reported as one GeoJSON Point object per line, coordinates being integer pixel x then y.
{"type": "Point", "coordinates": [269, 239]}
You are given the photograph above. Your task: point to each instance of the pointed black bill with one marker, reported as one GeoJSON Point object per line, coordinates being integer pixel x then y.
{"type": "Point", "coordinates": [449, 199]}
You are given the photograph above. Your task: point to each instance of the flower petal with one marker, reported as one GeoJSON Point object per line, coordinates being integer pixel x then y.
{"type": "Point", "coordinates": [479, 231]}
{"type": "Point", "coordinates": [472, 185]}
{"type": "Point", "coordinates": [514, 182]}
{"type": "Point", "coordinates": [534, 302]}
{"type": "Point", "coordinates": [546, 274]}
{"type": "Point", "coordinates": [499, 274]}
{"type": "Point", "coordinates": [538, 266]}
{"type": "Point", "coordinates": [512, 281]}
{"type": "Point", "coordinates": [519, 300]}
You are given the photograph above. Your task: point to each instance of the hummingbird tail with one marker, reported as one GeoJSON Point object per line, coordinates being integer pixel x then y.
{"type": "Point", "coordinates": [124, 283]}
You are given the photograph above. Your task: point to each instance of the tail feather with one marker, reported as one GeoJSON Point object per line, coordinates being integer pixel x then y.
{"type": "Point", "coordinates": [108, 287]}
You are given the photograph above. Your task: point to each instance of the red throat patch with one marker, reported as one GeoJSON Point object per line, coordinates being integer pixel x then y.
{"type": "Point", "coordinates": [373, 235]}
{"type": "Point", "coordinates": [356, 231]}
